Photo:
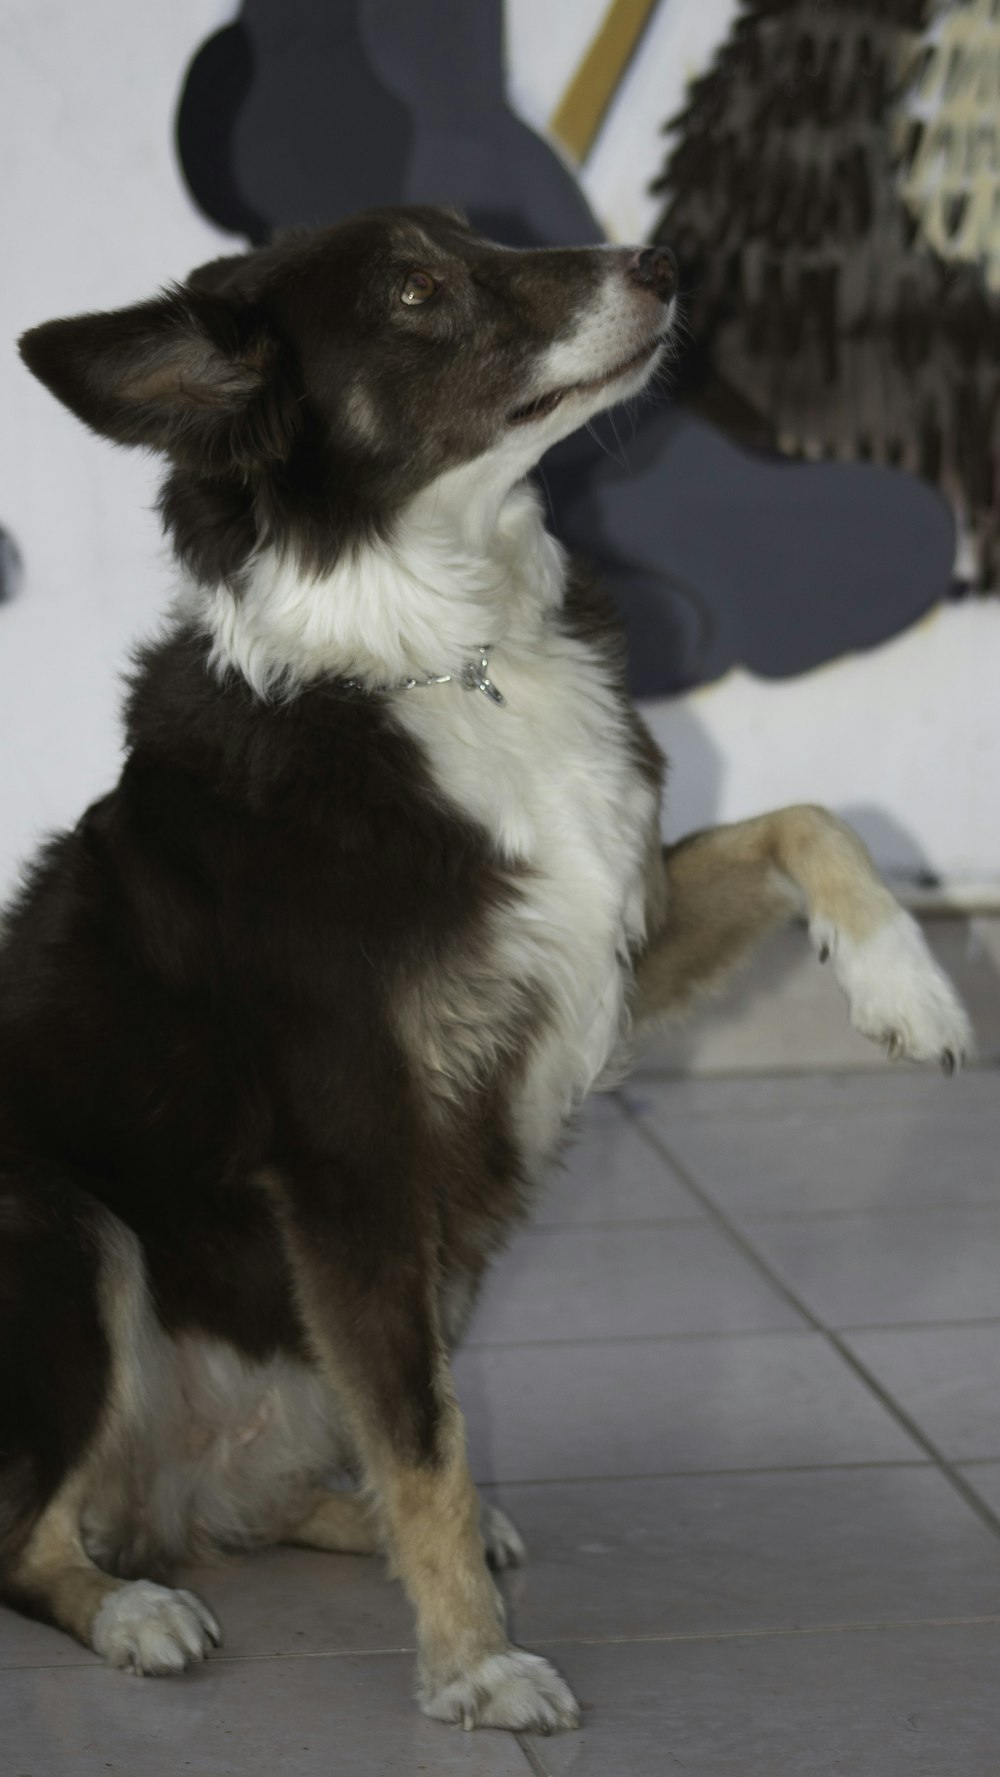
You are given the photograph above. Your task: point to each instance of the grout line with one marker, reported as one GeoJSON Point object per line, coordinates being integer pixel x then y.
{"type": "Point", "coordinates": [864, 1375]}
{"type": "Point", "coordinates": [96, 1664]}
{"type": "Point", "coordinates": [877, 1626]}
{"type": "Point", "coordinates": [871, 1213]}
{"type": "Point", "coordinates": [922, 1326]}
{"type": "Point", "coordinates": [717, 1474]}
{"type": "Point", "coordinates": [688, 1338]}
{"type": "Point", "coordinates": [654, 1637]}
{"type": "Point", "coordinates": [878, 1326]}
{"type": "Point", "coordinates": [534, 1229]}
{"type": "Point", "coordinates": [482, 1345]}
{"type": "Point", "coordinates": [534, 1763]}
{"type": "Point", "coordinates": [982, 1064]}
{"type": "Point", "coordinates": [794, 1332]}
{"type": "Point", "coordinates": [920, 1111]}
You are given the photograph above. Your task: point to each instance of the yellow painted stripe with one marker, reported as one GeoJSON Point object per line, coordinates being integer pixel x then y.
{"type": "Point", "coordinates": [581, 109]}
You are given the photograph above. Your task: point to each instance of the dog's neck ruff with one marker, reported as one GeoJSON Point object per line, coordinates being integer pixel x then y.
{"type": "Point", "coordinates": [473, 676]}
{"type": "Point", "coordinates": [467, 560]}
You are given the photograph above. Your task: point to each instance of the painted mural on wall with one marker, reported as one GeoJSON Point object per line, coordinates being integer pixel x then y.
{"type": "Point", "coordinates": [833, 191]}
{"type": "Point", "coordinates": [721, 550]}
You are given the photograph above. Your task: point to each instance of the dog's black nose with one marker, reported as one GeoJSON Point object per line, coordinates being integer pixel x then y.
{"type": "Point", "coordinates": [655, 268]}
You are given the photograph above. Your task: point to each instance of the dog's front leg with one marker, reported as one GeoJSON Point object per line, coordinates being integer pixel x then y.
{"type": "Point", "coordinates": [716, 894]}
{"type": "Point", "coordinates": [367, 1291]}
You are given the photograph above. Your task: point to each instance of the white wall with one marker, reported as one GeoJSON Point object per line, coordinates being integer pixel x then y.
{"type": "Point", "coordinates": [94, 214]}
{"type": "Point", "coordinates": [903, 741]}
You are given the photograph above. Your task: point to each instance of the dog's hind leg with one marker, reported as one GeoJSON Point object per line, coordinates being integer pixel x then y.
{"type": "Point", "coordinates": [346, 1524]}
{"type": "Point", "coordinates": [66, 1270]}
{"type": "Point", "coordinates": [339, 1524]}
{"type": "Point", "coordinates": [135, 1624]}
{"type": "Point", "coordinates": [727, 887]}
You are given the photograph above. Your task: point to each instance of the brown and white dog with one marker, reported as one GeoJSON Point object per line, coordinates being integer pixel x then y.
{"type": "Point", "coordinates": [293, 1020]}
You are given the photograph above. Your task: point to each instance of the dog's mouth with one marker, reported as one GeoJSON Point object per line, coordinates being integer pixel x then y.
{"type": "Point", "coordinates": [546, 404]}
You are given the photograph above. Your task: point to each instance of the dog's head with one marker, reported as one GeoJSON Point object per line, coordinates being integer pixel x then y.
{"type": "Point", "coordinates": [307, 390]}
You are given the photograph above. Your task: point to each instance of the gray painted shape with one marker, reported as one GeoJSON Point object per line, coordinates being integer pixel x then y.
{"type": "Point", "coordinates": [374, 101]}
{"type": "Point", "coordinates": [512, 182]}
{"type": "Point", "coordinates": [722, 556]}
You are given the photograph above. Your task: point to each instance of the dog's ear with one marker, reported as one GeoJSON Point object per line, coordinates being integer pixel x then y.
{"type": "Point", "coordinates": [187, 373]}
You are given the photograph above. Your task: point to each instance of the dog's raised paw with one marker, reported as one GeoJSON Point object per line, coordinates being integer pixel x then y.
{"type": "Point", "coordinates": [151, 1629]}
{"type": "Point", "coordinates": [508, 1690]}
{"type": "Point", "coordinates": [897, 994]}
{"type": "Point", "coordinates": [504, 1545]}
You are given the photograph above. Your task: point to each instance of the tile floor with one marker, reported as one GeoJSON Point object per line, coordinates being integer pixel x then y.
{"type": "Point", "coordinates": [740, 1388]}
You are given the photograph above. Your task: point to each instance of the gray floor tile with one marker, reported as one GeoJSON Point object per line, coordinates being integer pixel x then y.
{"type": "Point", "coordinates": [609, 1174]}
{"type": "Point", "coordinates": [302, 1718]}
{"type": "Point", "coordinates": [582, 1283]}
{"type": "Point", "coordinates": [766, 1400]}
{"type": "Point", "coordinates": [301, 1601]}
{"type": "Point", "coordinates": [717, 1553]}
{"type": "Point", "coordinates": [985, 1478]}
{"type": "Point", "coordinates": [911, 1153]}
{"type": "Point", "coordinates": [281, 1601]}
{"type": "Point", "coordinates": [23, 1643]}
{"type": "Point", "coordinates": [862, 1270]}
{"type": "Point", "coordinates": [785, 1012]}
{"type": "Point", "coordinates": [946, 1378]}
{"type": "Point", "coordinates": [675, 1100]}
{"type": "Point", "coordinates": [911, 1703]}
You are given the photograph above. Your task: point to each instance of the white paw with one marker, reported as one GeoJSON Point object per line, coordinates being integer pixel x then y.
{"type": "Point", "coordinates": [509, 1690]}
{"type": "Point", "coordinates": [896, 993]}
{"type": "Point", "coordinates": [504, 1546]}
{"type": "Point", "coordinates": [149, 1628]}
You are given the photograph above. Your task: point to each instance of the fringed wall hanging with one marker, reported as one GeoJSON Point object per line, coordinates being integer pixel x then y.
{"type": "Point", "coordinates": [833, 191]}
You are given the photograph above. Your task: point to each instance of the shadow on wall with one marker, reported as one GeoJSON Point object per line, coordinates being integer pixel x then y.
{"type": "Point", "coordinates": [695, 770]}
{"type": "Point", "coordinates": [307, 110]}
{"type": "Point", "coordinates": [892, 844]}
{"type": "Point", "coordinates": [695, 776]}
{"type": "Point", "coordinates": [10, 566]}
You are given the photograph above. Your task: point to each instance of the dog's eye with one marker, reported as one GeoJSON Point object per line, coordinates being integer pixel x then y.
{"type": "Point", "coordinates": [418, 287]}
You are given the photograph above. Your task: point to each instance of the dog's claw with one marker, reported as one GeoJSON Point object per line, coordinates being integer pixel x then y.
{"type": "Point", "coordinates": [948, 1062]}
{"type": "Point", "coordinates": [824, 953]}
{"type": "Point", "coordinates": [894, 1045]}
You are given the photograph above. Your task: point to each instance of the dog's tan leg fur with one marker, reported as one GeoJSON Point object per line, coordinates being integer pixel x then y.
{"type": "Point", "coordinates": [340, 1524]}
{"type": "Point", "coordinates": [137, 1624]}
{"type": "Point", "coordinates": [728, 887]}
{"type": "Point", "coordinates": [130, 1623]}
{"type": "Point", "coordinates": [468, 1671]}
{"type": "Point", "coordinates": [438, 1552]}
{"type": "Point", "coordinates": [395, 1388]}
{"type": "Point", "coordinates": [346, 1524]}
{"type": "Point", "coordinates": [55, 1573]}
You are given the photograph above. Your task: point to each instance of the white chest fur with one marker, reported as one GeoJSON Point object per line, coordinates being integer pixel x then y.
{"type": "Point", "coordinates": [552, 780]}
{"type": "Point", "coordinates": [549, 775]}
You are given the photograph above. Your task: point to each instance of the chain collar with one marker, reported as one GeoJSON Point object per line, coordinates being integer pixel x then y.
{"type": "Point", "coordinates": [474, 676]}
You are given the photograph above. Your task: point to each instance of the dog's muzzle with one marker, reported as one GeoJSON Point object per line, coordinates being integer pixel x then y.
{"type": "Point", "coordinates": [654, 269]}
